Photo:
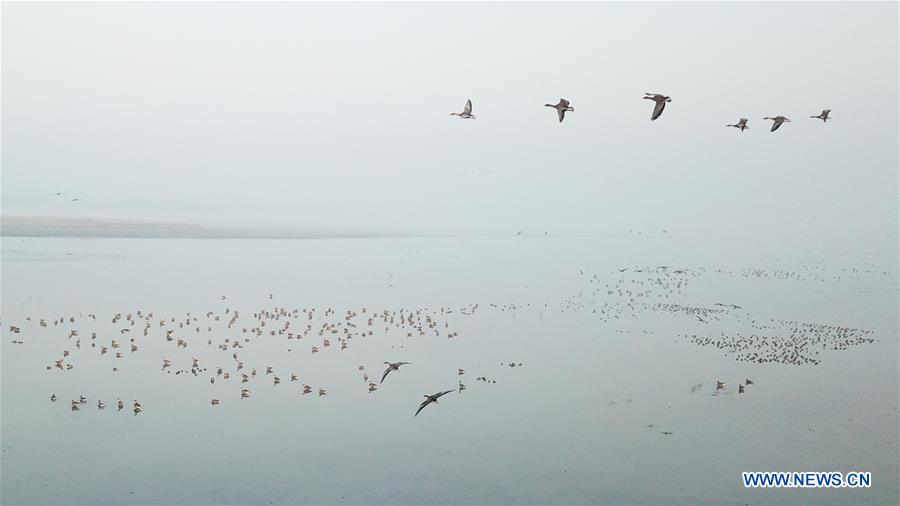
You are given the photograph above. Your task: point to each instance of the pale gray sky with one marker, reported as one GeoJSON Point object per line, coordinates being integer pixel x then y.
{"type": "Point", "coordinates": [300, 114]}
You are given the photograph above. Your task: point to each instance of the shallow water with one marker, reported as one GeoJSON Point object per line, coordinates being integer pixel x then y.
{"type": "Point", "coordinates": [580, 421]}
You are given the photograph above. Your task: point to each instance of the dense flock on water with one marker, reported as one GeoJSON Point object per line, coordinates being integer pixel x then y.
{"type": "Point", "coordinates": [210, 347]}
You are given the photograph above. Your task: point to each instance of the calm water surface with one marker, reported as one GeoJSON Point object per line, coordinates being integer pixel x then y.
{"type": "Point", "coordinates": [608, 364]}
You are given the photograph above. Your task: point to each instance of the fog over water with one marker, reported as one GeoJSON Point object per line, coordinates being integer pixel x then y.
{"type": "Point", "coordinates": [623, 311]}
{"type": "Point", "coordinates": [312, 115]}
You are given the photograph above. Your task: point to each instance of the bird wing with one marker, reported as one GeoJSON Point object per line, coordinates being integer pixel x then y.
{"type": "Point", "coordinates": [777, 124]}
{"type": "Point", "coordinates": [386, 372]}
{"type": "Point", "coordinates": [660, 105]}
{"type": "Point", "coordinates": [422, 406]}
{"type": "Point", "coordinates": [468, 108]}
{"type": "Point", "coordinates": [826, 112]}
{"type": "Point", "coordinates": [442, 393]}
{"type": "Point", "coordinates": [562, 114]}
{"type": "Point", "coordinates": [563, 102]}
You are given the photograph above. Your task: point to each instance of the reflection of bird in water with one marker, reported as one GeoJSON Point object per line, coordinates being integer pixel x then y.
{"type": "Point", "coordinates": [395, 366]}
{"type": "Point", "coordinates": [431, 398]}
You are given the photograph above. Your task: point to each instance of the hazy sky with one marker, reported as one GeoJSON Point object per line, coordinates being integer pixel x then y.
{"type": "Point", "coordinates": [305, 114]}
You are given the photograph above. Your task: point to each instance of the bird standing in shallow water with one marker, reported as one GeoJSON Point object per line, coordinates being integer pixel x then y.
{"type": "Point", "coordinates": [741, 124]}
{"type": "Point", "coordinates": [778, 120]}
{"type": "Point", "coordinates": [660, 100]}
{"type": "Point", "coordinates": [431, 398]}
{"type": "Point", "coordinates": [467, 111]}
{"type": "Point", "coordinates": [561, 107]}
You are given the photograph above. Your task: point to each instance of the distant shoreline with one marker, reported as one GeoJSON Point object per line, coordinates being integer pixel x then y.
{"type": "Point", "coordinates": [39, 226]}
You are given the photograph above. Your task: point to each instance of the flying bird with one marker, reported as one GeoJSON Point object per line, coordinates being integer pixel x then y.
{"type": "Point", "coordinates": [561, 108]}
{"type": "Point", "coordinates": [778, 120]}
{"type": "Point", "coordinates": [392, 367]}
{"type": "Point", "coordinates": [660, 100]}
{"type": "Point", "coordinates": [467, 111]}
{"type": "Point", "coordinates": [429, 399]}
{"type": "Point", "coordinates": [824, 115]}
{"type": "Point", "coordinates": [741, 124]}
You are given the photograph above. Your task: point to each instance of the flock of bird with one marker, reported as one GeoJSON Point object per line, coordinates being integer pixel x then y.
{"type": "Point", "coordinates": [327, 329]}
{"type": "Point", "coordinates": [218, 339]}
{"type": "Point", "coordinates": [660, 101]}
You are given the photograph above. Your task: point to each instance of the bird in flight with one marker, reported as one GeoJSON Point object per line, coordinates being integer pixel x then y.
{"type": "Point", "coordinates": [778, 121]}
{"type": "Point", "coordinates": [561, 108]}
{"type": "Point", "coordinates": [660, 103]}
{"type": "Point", "coordinates": [741, 124]}
{"type": "Point", "coordinates": [467, 111]}
{"type": "Point", "coordinates": [395, 366]}
{"type": "Point", "coordinates": [429, 399]}
{"type": "Point", "coordinates": [824, 115]}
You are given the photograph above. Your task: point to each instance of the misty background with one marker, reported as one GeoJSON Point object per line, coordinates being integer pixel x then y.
{"type": "Point", "coordinates": [296, 116]}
